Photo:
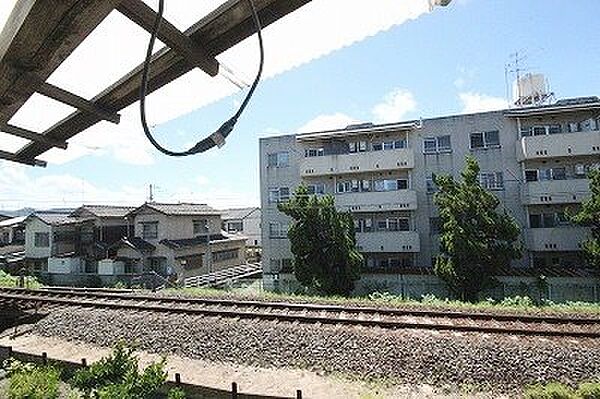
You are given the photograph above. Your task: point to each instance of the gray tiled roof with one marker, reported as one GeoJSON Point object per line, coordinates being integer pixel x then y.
{"type": "Point", "coordinates": [238, 213]}
{"type": "Point", "coordinates": [106, 211]}
{"type": "Point", "coordinates": [181, 209]}
{"type": "Point", "coordinates": [12, 221]}
{"type": "Point", "coordinates": [54, 218]}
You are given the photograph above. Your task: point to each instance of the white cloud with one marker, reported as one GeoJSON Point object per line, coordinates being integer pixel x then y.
{"type": "Point", "coordinates": [476, 102]}
{"type": "Point", "coordinates": [327, 122]}
{"type": "Point", "coordinates": [289, 43]}
{"type": "Point", "coordinates": [18, 189]}
{"type": "Point", "coordinates": [395, 106]}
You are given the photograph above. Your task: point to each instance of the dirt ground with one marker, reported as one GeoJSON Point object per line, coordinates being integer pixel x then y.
{"type": "Point", "coordinates": [283, 382]}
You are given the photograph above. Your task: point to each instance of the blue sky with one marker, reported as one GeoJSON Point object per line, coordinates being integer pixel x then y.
{"type": "Point", "coordinates": [441, 63]}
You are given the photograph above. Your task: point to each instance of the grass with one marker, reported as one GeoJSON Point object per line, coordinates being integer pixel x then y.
{"type": "Point", "coordinates": [555, 390]}
{"type": "Point", "coordinates": [7, 280]}
{"type": "Point", "coordinates": [518, 305]}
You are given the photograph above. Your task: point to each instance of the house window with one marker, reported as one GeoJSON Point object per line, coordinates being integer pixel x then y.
{"type": "Point", "coordinates": [574, 127]}
{"type": "Point", "coordinates": [200, 226]}
{"type": "Point", "coordinates": [366, 185]}
{"type": "Point", "coordinates": [393, 224]}
{"type": "Point", "coordinates": [580, 170]}
{"type": "Point", "coordinates": [222, 256]}
{"type": "Point", "coordinates": [538, 130]}
{"type": "Point", "coordinates": [377, 147]}
{"type": "Point", "coordinates": [548, 220]}
{"type": "Point", "coordinates": [432, 145]}
{"type": "Point", "coordinates": [491, 180]}
{"type": "Point", "coordinates": [41, 240]}
{"type": "Point", "coordinates": [278, 159]}
{"type": "Point", "coordinates": [489, 139]}
{"type": "Point", "coordinates": [402, 184]}
{"type": "Point", "coordinates": [277, 230]}
{"type": "Point", "coordinates": [362, 146]}
{"type": "Point", "coordinates": [559, 174]}
{"type": "Point", "coordinates": [234, 227]}
{"type": "Point", "coordinates": [363, 225]}
{"type": "Point", "coordinates": [149, 230]}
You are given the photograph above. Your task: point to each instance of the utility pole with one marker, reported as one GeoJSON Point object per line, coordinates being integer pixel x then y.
{"type": "Point", "coordinates": [150, 194]}
{"type": "Point", "coordinates": [209, 249]}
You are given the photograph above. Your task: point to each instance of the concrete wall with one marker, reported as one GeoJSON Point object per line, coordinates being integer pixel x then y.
{"type": "Point", "coordinates": [35, 225]}
{"type": "Point", "coordinates": [64, 265]}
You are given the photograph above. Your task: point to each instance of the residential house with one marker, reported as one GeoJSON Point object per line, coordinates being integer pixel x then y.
{"type": "Point", "coordinates": [12, 231]}
{"type": "Point", "coordinates": [245, 221]}
{"type": "Point", "coordinates": [177, 241]}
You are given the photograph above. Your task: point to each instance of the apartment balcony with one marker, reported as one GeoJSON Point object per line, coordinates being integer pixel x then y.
{"type": "Point", "coordinates": [400, 200]}
{"type": "Point", "coordinates": [559, 145]}
{"type": "Point", "coordinates": [571, 191]}
{"type": "Point", "coordinates": [389, 241]}
{"type": "Point", "coordinates": [556, 239]}
{"type": "Point", "coordinates": [371, 161]}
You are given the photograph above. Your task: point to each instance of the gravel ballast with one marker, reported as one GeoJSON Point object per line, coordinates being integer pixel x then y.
{"type": "Point", "coordinates": [408, 356]}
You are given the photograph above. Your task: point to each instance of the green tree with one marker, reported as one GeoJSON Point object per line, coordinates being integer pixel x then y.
{"type": "Point", "coordinates": [323, 242]}
{"type": "Point", "coordinates": [589, 215]}
{"type": "Point", "coordinates": [475, 238]}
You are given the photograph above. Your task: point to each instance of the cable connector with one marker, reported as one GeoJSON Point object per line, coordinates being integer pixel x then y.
{"type": "Point", "coordinates": [219, 136]}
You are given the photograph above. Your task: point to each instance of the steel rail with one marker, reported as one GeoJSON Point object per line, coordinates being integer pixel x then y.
{"type": "Point", "coordinates": [177, 305]}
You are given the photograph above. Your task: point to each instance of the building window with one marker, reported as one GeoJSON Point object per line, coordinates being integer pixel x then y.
{"type": "Point", "coordinates": [317, 188]}
{"type": "Point", "coordinates": [491, 180]}
{"type": "Point", "coordinates": [278, 159]}
{"type": "Point", "coordinates": [280, 194]}
{"type": "Point", "coordinates": [41, 240]}
{"type": "Point", "coordinates": [363, 225]}
{"type": "Point", "coordinates": [389, 145]}
{"type": "Point", "coordinates": [277, 230]}
{"type": "Point", "coordinates": [431, 186]}
{"type": "Point", "coordinates": [222, 256]}
{"type": "Point", "coordinates": [531, 175]}
{"type": "Point", "coordinates": [314, 152]}
{"type": "Point", "coordinates": [433, 145]}
{"type": "Point", "coordinates": [434, 225]}
{"type": "Point", "coordinates": [553, 174]}
{"type": "Point", "coordinates": [481, 140]}
{"type": "Point", "coordinates": [149, 230]}
{"type": "Point", "coordinates": [200, 226]}
{"type": "Point", "coordinates": [235, 226]}
{"type": "Point", "coordinates": [548, 220]}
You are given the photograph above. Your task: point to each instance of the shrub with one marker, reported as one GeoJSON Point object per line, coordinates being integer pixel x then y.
{"type": "Point", "coordinates": [552, 390]}
{"type": "Point", "coordinates": [118, 377]}
{"type": "Point", "coordinates": [589, 390]}
{"type": "Point", "coordinates": [27, 381]}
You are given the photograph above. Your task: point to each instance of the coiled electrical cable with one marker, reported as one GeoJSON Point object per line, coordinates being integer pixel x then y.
{"type": "Point", "coordinates": [219, 136]}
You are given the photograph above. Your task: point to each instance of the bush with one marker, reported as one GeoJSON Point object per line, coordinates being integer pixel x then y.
{"type": "Point", "coordinates": [118, 377]}
{"type": "Point", "coordinates": [27, 381]}
{"type": "Point", "coordinates": [589, 390]}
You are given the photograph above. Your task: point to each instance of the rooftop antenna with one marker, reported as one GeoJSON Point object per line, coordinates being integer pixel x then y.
{"type": "Point", "coordinates": [150, 193]}
{"type": "Point", "coordinates": [530, 89]}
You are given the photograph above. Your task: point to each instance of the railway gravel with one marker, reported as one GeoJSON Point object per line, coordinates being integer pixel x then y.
{"type": "Point", "coordinates": [406, 356]}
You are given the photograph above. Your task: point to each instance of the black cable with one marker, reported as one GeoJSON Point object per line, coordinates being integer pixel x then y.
{"type": "Point", "coordinates": [219, 136]}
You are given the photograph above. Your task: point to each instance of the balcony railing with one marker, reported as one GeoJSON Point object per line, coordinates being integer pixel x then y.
{"type": "Point", "coordinates": [569, 191]}
{"type": "Point", "coordinates": [389, 241]}
{"type": "Point", "coordinates": [557, 239]}
{"type": "Point", "coordinates": [372, 161]}
{"type": "Point", "coordinates": [398, 200]}
{"type": "Point", "coordinates": [559, 145]}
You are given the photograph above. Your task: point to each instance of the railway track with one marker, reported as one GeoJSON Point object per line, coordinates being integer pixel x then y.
{"type": "Point", "coordinates": [389, 318]}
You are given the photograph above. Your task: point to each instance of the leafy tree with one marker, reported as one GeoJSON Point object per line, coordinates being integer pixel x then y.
{"type": "Point", "coordinates": [589, 215]}
{"type": "Point", "coordinates": [323, 242]}
{"type": "Point", "coordinates": [475, 239]}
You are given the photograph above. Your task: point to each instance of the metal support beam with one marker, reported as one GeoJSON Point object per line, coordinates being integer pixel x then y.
{"type": "Point", "coordinates": [75, 101]}
{"type": "Point", "coordinates": [33, 136]}
{"type": "Point", "coordinates": [14, 158]}
{"type": "Point", "coordinates": [138, 12]}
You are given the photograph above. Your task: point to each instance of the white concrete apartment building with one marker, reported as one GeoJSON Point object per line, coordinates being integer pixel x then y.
{"type": "Point", "coordinates": [534, 159]}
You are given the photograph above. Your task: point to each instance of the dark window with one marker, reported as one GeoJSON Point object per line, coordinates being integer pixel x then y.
{"type": "Point", "coordinates": [555, 129]}
{"type": "Point", "coordinates": [41, 240]}
{"type": "Point", "coordinates": [150, 230]}
{"type": "Point", "coordinates": [535, 221]}
{"type": "Point", "coordinates": [402, 184]}
{"type": "Point", "coordinates": [558, 174]}
{"type": "Point", "coordinates": [548, 220]}
{"type": "Point", "coordinates": [477, 140]}
{"type": "Point", "coordinates": [531, 175]}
